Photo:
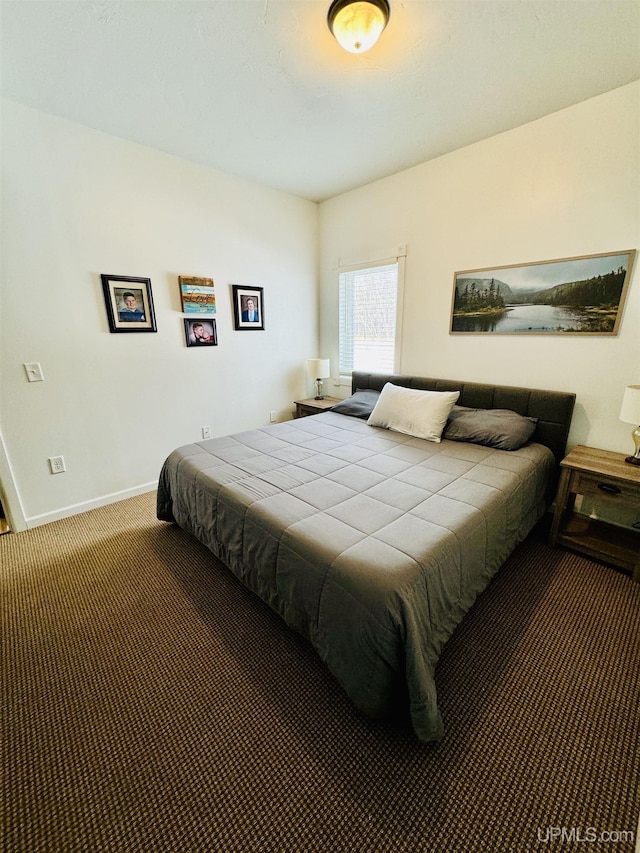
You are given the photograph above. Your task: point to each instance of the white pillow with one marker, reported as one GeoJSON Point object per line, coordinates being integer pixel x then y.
{"type": "Point", "coordinates": [422, 414]}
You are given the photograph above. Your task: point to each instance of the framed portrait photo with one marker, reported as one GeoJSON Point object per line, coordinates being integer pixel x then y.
{"type": "Point", "coordinates": [129, 303]}
{"type": "Point", "coordinates": [248, 307]}
{"type": "Point", "coordinates": [200, 333]}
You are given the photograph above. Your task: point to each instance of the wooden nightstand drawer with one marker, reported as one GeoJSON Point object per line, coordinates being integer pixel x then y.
{"type": "Point", "coordinates": [603, 487]}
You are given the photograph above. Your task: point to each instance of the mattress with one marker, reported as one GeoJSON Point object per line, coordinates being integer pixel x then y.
{"type": "Point", "coordinates": [370, 543]}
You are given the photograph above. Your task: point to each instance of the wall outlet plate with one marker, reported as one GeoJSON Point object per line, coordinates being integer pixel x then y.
{"type": "Point", "coordinates": [34, 371]}
{"type": "Point", "coordinates": [206, 432]}
{"type": "Point", "coordinates": [56, 463]}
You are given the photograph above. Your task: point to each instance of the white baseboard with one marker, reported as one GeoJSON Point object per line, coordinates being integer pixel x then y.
{"type": "Point", "coordinates": [75, 509]}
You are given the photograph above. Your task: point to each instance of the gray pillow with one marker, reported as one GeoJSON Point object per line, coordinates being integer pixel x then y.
{"type": "Point", "coordinates": [360, 405]}
{"type": "Point", "coordinates": [499, 428]}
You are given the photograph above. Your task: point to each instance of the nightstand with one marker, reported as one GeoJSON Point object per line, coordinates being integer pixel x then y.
{"type": "Point", "coordinates": [313, 406]}
{"type": "Point", "coordinates": [604, 475]}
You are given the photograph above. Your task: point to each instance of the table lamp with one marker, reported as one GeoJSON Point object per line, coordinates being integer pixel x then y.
{"type": "Point", "coordinates": [630, 414]}
{"type": "Point", "coordinates": [318, 369]}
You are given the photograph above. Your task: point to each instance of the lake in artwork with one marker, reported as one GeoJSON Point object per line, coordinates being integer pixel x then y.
{"type": "Point", "coordinates": [525, 318]}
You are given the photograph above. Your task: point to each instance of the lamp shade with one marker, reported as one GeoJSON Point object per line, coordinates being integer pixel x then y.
{"type": "Point", "coordinates": [357, 24]}
{"type": "Point", "coordinates": [319, 368]}
{"type": "Point", "coordinates": [630, 409]}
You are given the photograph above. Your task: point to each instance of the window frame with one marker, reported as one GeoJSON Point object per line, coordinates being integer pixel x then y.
{"type": "Point", "coordinates": [385, 259]}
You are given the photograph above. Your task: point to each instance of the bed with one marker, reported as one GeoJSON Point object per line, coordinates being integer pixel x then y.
{"type": "Point", "coordinates": [371, 542]}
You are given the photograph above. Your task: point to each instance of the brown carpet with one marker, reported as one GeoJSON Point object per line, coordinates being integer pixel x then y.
{"type": "Point", "coordinates": [150, 703]}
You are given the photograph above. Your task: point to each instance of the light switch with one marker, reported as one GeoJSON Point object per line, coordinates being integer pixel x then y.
{"type": "Point", "coordinates": [34, 372]}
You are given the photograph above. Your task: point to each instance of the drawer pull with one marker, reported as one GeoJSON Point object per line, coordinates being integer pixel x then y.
{"type": "Point", "coordinates": [609, 489]}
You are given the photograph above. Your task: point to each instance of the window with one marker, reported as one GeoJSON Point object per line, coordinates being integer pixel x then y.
{"type": "Point", "coordinates": [369, 312]}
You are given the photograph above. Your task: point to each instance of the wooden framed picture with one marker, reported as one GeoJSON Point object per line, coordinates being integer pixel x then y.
{"type": "Point", "coordinates": [129, 303]}
{"type": "Point", "coordinates": [248, 307]}
{"type": "Point", "coordinates": [574, 296]}
{"type": "Point", "coordinates": [197, 294]}
{"type": "Point", "coordinates": [200, 333]}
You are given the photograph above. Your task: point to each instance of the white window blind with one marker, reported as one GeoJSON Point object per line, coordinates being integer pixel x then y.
{"type": "Point", "coordinates": [368, 306]}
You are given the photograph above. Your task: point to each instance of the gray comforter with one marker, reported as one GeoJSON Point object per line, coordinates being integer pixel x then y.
{"type": "Point", "coordinates": [370, 543]}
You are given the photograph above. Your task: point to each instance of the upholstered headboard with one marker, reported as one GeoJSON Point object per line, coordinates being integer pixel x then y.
{"type": "Point", "coordinates": [553, 409]}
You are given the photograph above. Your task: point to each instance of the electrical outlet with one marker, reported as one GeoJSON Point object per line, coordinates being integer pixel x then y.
{"type": "Point", "coordinates": [206, 432]}
{"type": "Point", "coordinates": [34, 371]}
{"type": "Point", "coordinates": [273, 417]}
{"type": "Point", "coordinates": [56, 463]}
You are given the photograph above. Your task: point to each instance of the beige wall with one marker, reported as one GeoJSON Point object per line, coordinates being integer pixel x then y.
{"type": "Point", "coordinates": [77, 203]}
{"type": "Point", "coordinates": [565, 185]}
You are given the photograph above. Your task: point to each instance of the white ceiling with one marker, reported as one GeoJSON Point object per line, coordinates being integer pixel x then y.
{"type": "Point", "coordinates": [260, 89]}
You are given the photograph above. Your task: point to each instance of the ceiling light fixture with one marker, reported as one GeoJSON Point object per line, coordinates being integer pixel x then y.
{"type": "Point", "coordinates": [357, 24]}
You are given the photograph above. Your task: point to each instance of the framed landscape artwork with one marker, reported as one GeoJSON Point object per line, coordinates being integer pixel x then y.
{"type": "Point", "coordinates": [129, 303]}
{"type": "Point", "coordinates": [577, 296]}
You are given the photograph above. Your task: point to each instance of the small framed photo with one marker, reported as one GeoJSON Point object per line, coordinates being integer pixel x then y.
{"type": "Point", "coordinates": [129, 303]}
{"type": "Point", "coordinates": [200, 333]}
{"type": "Point", "coordinates": [248, 307]}
{"type": "Point", "coordinates": [198, 295]}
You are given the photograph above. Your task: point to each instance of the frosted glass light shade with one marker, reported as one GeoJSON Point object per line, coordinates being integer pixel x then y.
{"type": "Point", "coordinates": [630, 409]}
{"type": "Point", "coordinates": [357, 24]}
